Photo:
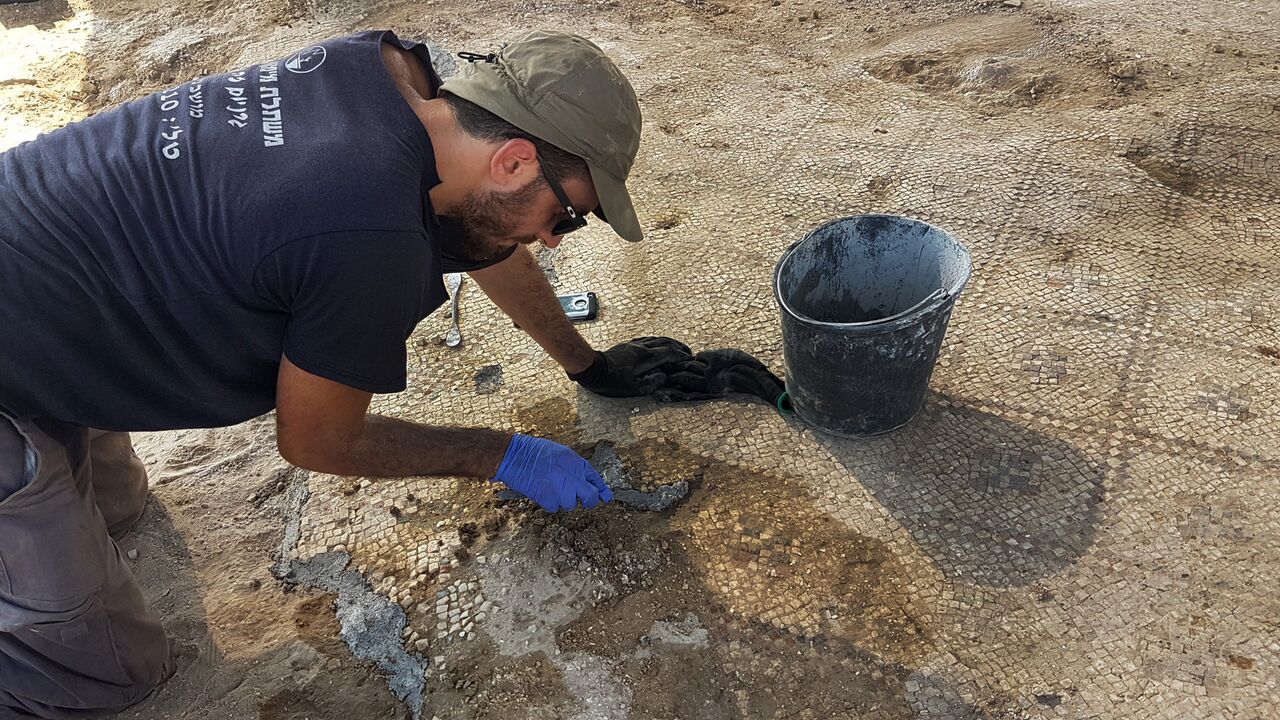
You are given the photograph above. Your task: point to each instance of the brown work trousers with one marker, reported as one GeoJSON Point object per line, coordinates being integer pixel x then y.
{"type": "Point", "coordinates": [76, 638]}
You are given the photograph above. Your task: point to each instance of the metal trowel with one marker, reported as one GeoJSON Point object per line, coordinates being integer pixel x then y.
{"type": "Point", "coordinates": [606, 462]}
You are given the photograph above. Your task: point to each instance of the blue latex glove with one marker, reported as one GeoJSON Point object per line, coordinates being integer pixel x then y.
{"type": "Point", "coordinates": [551, 475]}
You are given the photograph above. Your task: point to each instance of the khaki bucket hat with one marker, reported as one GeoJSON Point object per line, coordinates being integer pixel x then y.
{"type": "Point", "coordinates": [563, 89]}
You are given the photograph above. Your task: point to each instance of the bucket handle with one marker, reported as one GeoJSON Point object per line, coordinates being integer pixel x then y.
{"type": "Point", "coordinates": [929, 299]}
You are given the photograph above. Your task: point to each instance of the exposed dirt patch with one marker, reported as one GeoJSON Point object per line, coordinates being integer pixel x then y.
{"type": "Point", "coordinates": [1241, 662]}
{"type": "Point", "coordinates": [245, 646]}
{"type": "Point", "coordinates": [530, 686]}
{"type": "Point", "coordinates": [666, 222]}
{"type": "Point", "coordinates": [990, 81]}
{"type": "Point", "coordinates": [769, 556]}
{"type": "Point", "coordinates": [1201, 154]}
{"type": "Point", "coordinates": [882, 186]}
{"type": "Point", "coordinates": [632, 607]}
{"type": "Point", "coordinates": [1174, 173]}
{"type": "Point", "coordinates": [764, 628]}
{"type": "Point", "coordinates": [315, 622]}
{"type": "Point", "coordinates": [994, 62]}
{"type": "Point", "coordinates": [553, 418]}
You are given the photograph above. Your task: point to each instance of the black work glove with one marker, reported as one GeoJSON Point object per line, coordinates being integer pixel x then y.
{"type": "Point", "coordinates": [632, 368]}
{"type": "Point", "coordinates": [716, 373]}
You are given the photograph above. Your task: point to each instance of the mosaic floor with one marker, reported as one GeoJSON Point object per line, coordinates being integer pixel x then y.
{"type": "Point", "coordinates": [1081, 522]}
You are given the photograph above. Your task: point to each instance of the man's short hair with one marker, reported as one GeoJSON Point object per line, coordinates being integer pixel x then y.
{"type": "Point", "coordinates": [484, 125]}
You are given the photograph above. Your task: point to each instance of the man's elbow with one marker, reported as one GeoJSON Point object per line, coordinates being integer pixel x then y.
{"type": "Point", "coordinates": [309, 454]}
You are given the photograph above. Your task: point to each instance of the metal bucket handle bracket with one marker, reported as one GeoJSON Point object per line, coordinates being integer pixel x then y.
{"type": "Point", "coordinates": [936, 296]}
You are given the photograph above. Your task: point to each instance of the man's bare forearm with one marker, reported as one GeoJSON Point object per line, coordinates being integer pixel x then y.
{"type": "Point", "coordinates": [518, 286]}
{"type": "Point", "coordinates": [387, 447]}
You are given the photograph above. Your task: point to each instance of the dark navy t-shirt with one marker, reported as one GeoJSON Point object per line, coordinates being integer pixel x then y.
{"type": "Point", "coordinates": [157, 260]}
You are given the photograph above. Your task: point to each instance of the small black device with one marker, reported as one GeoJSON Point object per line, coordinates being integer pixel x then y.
{"type": "Point", "coordinates": [580, 307]}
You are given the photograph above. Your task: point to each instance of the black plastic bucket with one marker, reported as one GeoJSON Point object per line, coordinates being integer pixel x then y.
{"type": "Point", "coordinates": [865, 302]}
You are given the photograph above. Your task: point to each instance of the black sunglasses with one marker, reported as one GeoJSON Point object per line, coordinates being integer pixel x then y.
{"type": "Point", "coordinates": [574, 221]}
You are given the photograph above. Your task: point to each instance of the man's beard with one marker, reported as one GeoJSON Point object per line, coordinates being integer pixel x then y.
{"type": "Point", "coordinates": [480, 227]}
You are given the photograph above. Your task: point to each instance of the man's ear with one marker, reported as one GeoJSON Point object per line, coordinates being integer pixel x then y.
{"type": "Point", "coordinates": [514, 164]}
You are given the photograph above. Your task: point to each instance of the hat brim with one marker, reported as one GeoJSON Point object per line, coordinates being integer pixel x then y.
{"type": "Point", "coordinates": [615, 204]}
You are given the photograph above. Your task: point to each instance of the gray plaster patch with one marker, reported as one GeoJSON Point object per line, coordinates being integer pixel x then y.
{"type": "Point", "coordinates": [656, 501]}
{"type": "Point", "coordinates": [371, 624]}
{"type": "Point", "coordinates": [604, 695]}
{"type": "Point", "coordinates": [539, 600]}
{"type": "Point", "coordinates": [615, 473]}
{"type": "Point", "coordinates": [682, 632]}
{"type": "Point", "coordinates": [295, 499]}
{"type": "Point", "coordinates": [606, 462]}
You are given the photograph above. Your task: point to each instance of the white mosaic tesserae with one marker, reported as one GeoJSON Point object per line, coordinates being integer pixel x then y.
{"type": "Point", "coordinates": [1075, 524]}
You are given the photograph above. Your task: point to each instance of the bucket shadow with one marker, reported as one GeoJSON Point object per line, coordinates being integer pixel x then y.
{"type": "Point", "coordinates": [989, 501]}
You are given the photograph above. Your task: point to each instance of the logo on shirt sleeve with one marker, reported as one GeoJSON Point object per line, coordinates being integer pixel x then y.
{"type": "Point", "coordinates": [306, 61]}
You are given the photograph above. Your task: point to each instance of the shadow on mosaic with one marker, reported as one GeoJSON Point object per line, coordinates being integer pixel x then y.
{"type": "Point", "coordinates": [990, 501]}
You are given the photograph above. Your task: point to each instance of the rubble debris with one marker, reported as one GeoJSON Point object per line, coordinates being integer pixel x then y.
{"type": "Point", "coordinates": [488, 379]}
